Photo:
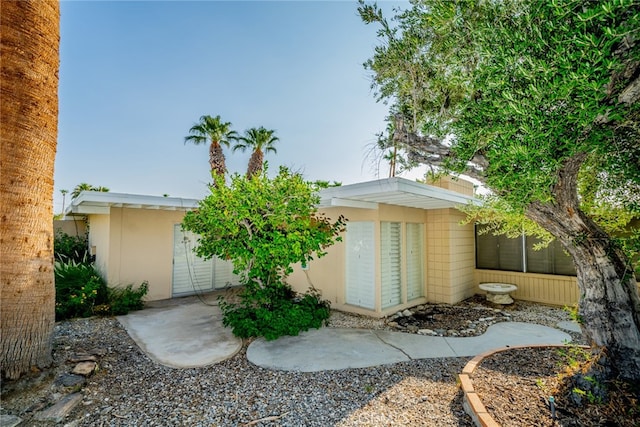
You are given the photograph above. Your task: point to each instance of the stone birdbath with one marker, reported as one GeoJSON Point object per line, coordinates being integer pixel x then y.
{"type": "Point", "coordinates": [498, 293]}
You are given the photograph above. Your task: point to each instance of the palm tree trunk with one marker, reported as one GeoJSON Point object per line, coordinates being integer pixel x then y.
{"type": "Point", "coordinates": [217, 162]}
{"type": "Point", "coordinates": [609, 301]}
{"type": "Point", "coordinates": [255, 163]}
{"type": "Point", "coordinates": [29, 40]}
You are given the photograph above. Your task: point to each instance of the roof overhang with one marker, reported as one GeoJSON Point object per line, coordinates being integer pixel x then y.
{"type": "Point", "coordinates": [393, 191]}
{"type": "Point", "coordinates": [97, 202]}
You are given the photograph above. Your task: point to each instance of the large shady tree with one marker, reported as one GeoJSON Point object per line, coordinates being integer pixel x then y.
{"type": "Point", "coordinates": [30, 39]}
{"type": "Point", "coordinates": [537, 98]}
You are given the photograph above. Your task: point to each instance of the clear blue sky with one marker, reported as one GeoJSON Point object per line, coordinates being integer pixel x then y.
{"type": "Point", "coordinates": [135, 76]}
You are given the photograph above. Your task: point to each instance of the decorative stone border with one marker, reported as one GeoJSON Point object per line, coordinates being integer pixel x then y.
{"type": "Point", "coordinates": [471, 401]}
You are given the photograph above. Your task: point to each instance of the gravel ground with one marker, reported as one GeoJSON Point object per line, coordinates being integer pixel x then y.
{"type": "Point", "coordinates": [131, 390]}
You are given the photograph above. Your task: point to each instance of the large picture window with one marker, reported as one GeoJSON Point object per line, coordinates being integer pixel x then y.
{"type": "Point", "coordinates": [518, 254]}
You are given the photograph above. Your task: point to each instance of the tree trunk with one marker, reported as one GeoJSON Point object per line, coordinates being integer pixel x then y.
{"type": "Point", "coordinates": [255, 163]}
{"type": "Point", "coordinates": [217, 162]}
{"type": "Point", "coordinates": [29, 43]}
{"type": "Point", "coordinates": [609, 303]}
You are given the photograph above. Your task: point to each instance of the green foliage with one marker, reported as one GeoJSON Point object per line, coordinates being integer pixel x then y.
{"type": "Point", "coordinates": [66, 247]}
{"type": "Point", "coordinates": [83, 186]}
{"type": "Point", "coordinates": [122, 300]}
{"type": "Point", "coordinates": [262, 225]}
{"type": "Point", "coordinates": [273, 311]}
{"type": "Point", "coordinates": [525, 85]}
{"type": "Point", "coordinates": [81, 292]}
{"type": "Point", "coordinates": [79, 288]}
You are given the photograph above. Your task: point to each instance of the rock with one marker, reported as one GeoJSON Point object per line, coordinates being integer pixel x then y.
{"type": "Point", "coordinates": [82, 357]}
{"type": "Point", "coordinates": [426, 332]}
{"type": "Point", "coordinates": [499, 298]}
{"type": "Point", "coordinates": [98, 351]}
{"type": "Point", "coordinates": [9, 420]}
{"type": "Point", "coordinates": [407, 313]}
{"type": "Point", "coordinates": [485, 319]}
{"type": "Point", "coordinates": [393, 324]}
{"type": "Point", "coordinates": [420, 308]}
{"type": "Point", "coordinates": [61, 409]}
{"type": "Point", "coordinates": [440, 331]}
{"type": "Point", "coordinates": [69, 380]}
{"type": "Point", "coordinates": [412, 328]}
{"type": "Point", "coordinates": [85, 368]}
{"type": "Point", "coordinates": [452, 332]}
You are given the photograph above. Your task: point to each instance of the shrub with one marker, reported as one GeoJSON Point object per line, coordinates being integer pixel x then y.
{"type": "Point", "coordinates": [81, 292]}
{"type": "Point", "coordinates": [124, 300]}
{"type": "Point", "coordinates": [79, 288]}
{"type": "Point", "coordinates": [273, 311]}
{"type": "Point", "coordinates": [74, 248]}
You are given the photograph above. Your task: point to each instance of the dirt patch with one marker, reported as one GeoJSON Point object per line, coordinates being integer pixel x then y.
{"type": "Point", "coordinates": [515, 387]}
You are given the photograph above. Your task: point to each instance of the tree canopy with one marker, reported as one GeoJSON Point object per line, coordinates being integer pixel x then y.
{"type": "Point", "coordinates": [520, 86]}
{"type": "Point", "coordinates": [540, 101]}
{"type": "Point", "coordinates": [260, 140]}
{"type": "Point", "coordinates": [263, 225]}
{"type": "Point", "coordinates": [214, 131]}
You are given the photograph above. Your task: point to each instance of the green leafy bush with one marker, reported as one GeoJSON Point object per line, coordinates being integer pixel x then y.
{"type": "Point", "coordinates": [265, 226]}
{"type": "Point", "coordinates": [273, 311]}
{"type": "Point", "coordinates": [66, 247]}
{"type": "Point", "coordinates": [124, 300]}
{"type": "Point", "coordinates": [79, 288]}
{"type": "Point", "coordinates": [81, 292]}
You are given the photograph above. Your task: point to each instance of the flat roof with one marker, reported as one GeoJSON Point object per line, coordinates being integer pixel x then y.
{"type": "Point", "coordinates": [365, 195]}
{"type": "Point", "coordinates": [393, 191]}
{"type": "Point", "coordinates": [99, 202]}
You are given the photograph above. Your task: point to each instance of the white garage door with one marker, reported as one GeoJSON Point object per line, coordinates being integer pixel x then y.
{"type": "Point", "coordinates": [360, 261]}
{"type": "Point", "coordinates": [192, 274]}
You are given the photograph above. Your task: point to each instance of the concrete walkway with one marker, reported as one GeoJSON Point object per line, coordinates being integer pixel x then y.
{"type": "Point", "coordinates": [182, 336]}
{"type": "Point", "coordinates": [334, 348]}
{"type": "Point", "coordinates": [188, 333]}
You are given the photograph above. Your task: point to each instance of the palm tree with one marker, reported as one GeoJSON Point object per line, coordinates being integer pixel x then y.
{"type": "Point", "coordinates": [83, 186]}
{"type": "Point", "coordinates": [30, 51]}
{"type": "Point", "coordinates": [261, 141]}
{"type": "Point", "coordinates": [216, 132]}
{"type": "Point", "coordinates": [64, 197]}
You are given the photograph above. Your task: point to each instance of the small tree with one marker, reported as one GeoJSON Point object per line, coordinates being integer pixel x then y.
{"type": "Point", "coordinates": [264, 226]}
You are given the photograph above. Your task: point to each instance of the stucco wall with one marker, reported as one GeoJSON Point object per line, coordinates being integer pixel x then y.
{"type": "Point", "coordinates": [327, 274]}
{"type": "Point", "coordinates": [72, 227]}
{"type": "Point", "coordinates": [136, 245]}
{"type": "Point", "coordinates": [449, 260]}
{"type": "Point", "coordinates": [142, 249]}
{"type": "Point", "coordinates": [99, 226]}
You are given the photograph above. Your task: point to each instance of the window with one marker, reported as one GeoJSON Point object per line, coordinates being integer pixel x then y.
{"type": "Point", "coordinates": [498, 252]}
{"type": "Point", "coordinates": [550, 260]}
{"type": "Point", "coordinates": [415, 261]}
{"type": "Point", "coordinates": [390, 263]}
{"type": "Point", "coordinates": [517, 254]}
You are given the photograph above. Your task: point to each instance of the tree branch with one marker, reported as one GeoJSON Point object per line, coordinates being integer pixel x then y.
{"type": "Point", "coordinates": [432, 151]}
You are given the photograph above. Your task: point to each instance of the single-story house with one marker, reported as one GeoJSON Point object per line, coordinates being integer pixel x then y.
{"type": "Point", "coordinates": [404, 245]}
{"type": "Point", "coordinates": [137, 238]}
